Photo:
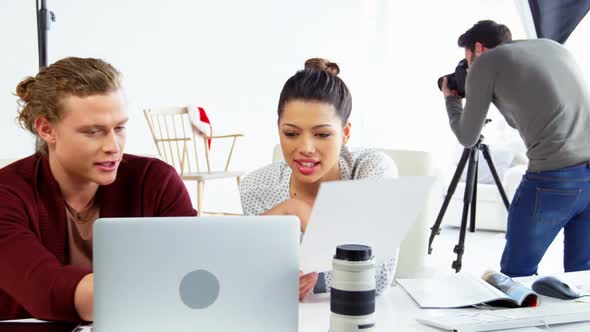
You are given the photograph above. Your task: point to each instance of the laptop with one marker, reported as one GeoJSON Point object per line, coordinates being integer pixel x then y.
{"type": "Point", "coordinates": [196, 274]}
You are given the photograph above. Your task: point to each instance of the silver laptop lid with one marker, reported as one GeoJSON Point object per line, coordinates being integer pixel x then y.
{"type": "Point", "coordinates": [196, 274]}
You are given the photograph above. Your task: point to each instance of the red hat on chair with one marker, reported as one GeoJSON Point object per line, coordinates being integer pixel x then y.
{"type": "Point", "coordinates": [200, 122]}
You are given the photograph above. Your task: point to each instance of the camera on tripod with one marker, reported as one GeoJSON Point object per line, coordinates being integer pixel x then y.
{"type": "Point", "coordinates": [469, 158]}
{"type": "Point", "coordinates": [456, 80]}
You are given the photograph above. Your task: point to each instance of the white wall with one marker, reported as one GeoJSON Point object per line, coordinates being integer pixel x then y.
{"type": "Point", "coordinates": [18, 58]}
{"type": "Point", "coordinates": [578, 44]}
{"type": "Point", "coordinates": [232, 57]}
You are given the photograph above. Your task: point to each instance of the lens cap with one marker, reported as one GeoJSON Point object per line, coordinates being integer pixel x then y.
{"type": "Point", "coordinates": [353, 252]}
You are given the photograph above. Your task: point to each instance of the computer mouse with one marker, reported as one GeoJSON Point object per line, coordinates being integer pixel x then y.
{"type": "Point", "coordinates": [553, 287]}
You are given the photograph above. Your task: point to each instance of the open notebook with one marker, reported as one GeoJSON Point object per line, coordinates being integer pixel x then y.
{"type": "Point", "coordinates": [464, 290]}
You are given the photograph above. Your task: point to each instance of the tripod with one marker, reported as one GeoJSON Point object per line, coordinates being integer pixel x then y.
{"type": "Point", "coordinates": [469, 198]}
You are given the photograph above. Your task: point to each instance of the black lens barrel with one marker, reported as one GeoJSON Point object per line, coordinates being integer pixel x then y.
{"type": "Point", "coordinates": [456, 80]}
{"type": "Point", "coordinates": [352, 303]}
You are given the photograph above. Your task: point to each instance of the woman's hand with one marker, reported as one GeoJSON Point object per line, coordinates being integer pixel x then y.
{"type": "Point", "coordinates": [306, 283]}
{"type": "Point", "coordinates": [295, 207]}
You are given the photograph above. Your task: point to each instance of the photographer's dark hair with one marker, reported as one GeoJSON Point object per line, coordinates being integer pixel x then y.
{"type": "Point", "coordinates": [488, 32]}
{"type": "Point", "coordinates": [318, 81]}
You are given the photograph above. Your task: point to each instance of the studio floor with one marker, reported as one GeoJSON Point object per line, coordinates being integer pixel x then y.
{"type": "Point", "coordinates": [483, 250]}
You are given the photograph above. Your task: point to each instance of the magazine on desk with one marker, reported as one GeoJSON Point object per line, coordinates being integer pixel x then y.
{"type": "Point", "coordinates": [465, 290]}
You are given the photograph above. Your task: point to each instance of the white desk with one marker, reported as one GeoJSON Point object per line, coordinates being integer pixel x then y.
{"type": "Point", "coordinates": [396, 311]}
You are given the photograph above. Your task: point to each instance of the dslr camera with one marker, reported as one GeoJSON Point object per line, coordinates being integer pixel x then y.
{"type": "Point", "coordinates": [456, 80]}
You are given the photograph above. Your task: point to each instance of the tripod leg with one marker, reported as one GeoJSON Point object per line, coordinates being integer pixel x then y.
{"type": "Point", "coordinates": [488, 157]}
{"type": "Point", "coordinates": [474, 197]}
{"type": "Point", "coordinates": [435, 229]}
{"type": "Point", "coordinates": [460, 247]}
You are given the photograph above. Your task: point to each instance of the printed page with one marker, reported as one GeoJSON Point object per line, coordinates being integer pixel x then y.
{"type": "Point", "coordinates": [373, 212]}
{"type": "Point", "coordinates": [522, 295]}
{"type": "Point", "coordinates": [456, 291]}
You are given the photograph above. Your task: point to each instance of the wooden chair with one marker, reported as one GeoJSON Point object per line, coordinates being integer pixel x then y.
{"type": "Point", "coordinates": [179, 145]}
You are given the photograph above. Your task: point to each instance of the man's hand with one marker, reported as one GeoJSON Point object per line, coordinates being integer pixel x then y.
{"type": "Point", "coordinates": [83, 297]}
{"type": "Point", "coordinates": [306, 283]}
{"type": "Point", "coordinates": [445, 89]}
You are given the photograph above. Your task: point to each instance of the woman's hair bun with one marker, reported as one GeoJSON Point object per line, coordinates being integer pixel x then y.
{"type": "Point", "coordinates": [322, 64]}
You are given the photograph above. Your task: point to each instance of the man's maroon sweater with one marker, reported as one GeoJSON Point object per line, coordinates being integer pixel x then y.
{"type": "Point", "coordinates": [35, 278]}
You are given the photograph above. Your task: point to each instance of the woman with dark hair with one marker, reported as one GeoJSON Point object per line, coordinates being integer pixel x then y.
{"type": "Point", "coordinates": [313, 111]}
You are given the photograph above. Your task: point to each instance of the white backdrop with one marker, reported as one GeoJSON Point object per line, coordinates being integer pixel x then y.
{"type": "Point", "coordinates": [232, 57]}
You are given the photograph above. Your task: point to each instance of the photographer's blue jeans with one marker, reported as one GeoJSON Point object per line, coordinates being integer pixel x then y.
{"type": "Point", "coordinates": [544, 203]}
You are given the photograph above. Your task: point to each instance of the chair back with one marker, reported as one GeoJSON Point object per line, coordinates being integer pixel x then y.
{"type": "Point", "coordinates": [277, 153]}
{"type": "Point", "coordinates": [176, 140]}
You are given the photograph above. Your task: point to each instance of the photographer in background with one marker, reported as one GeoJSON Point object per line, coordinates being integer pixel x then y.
{"type": "Point", "coordinates": [537, 86]}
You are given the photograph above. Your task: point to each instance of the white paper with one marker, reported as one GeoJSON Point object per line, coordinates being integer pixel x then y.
{"type": "Point", "coordinates": [455, 291]}
{"type": "Point", "coordinates": [375, 212]}
{"type": "Point", "coordinates": [26, 320]}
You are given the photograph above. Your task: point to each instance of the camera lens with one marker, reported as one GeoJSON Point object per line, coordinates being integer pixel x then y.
{"type": "Point", "coordinates": [456, 80]}
{"type": "Point", "coordinates": [352, 299]}
{"type": "Point", "coordinates": [353, 252]}
{"type": "Point", "coordinates": [451, 82]}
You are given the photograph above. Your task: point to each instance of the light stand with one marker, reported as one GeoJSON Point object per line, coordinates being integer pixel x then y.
{"type": "Point", "coordinates": [44, 19]}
